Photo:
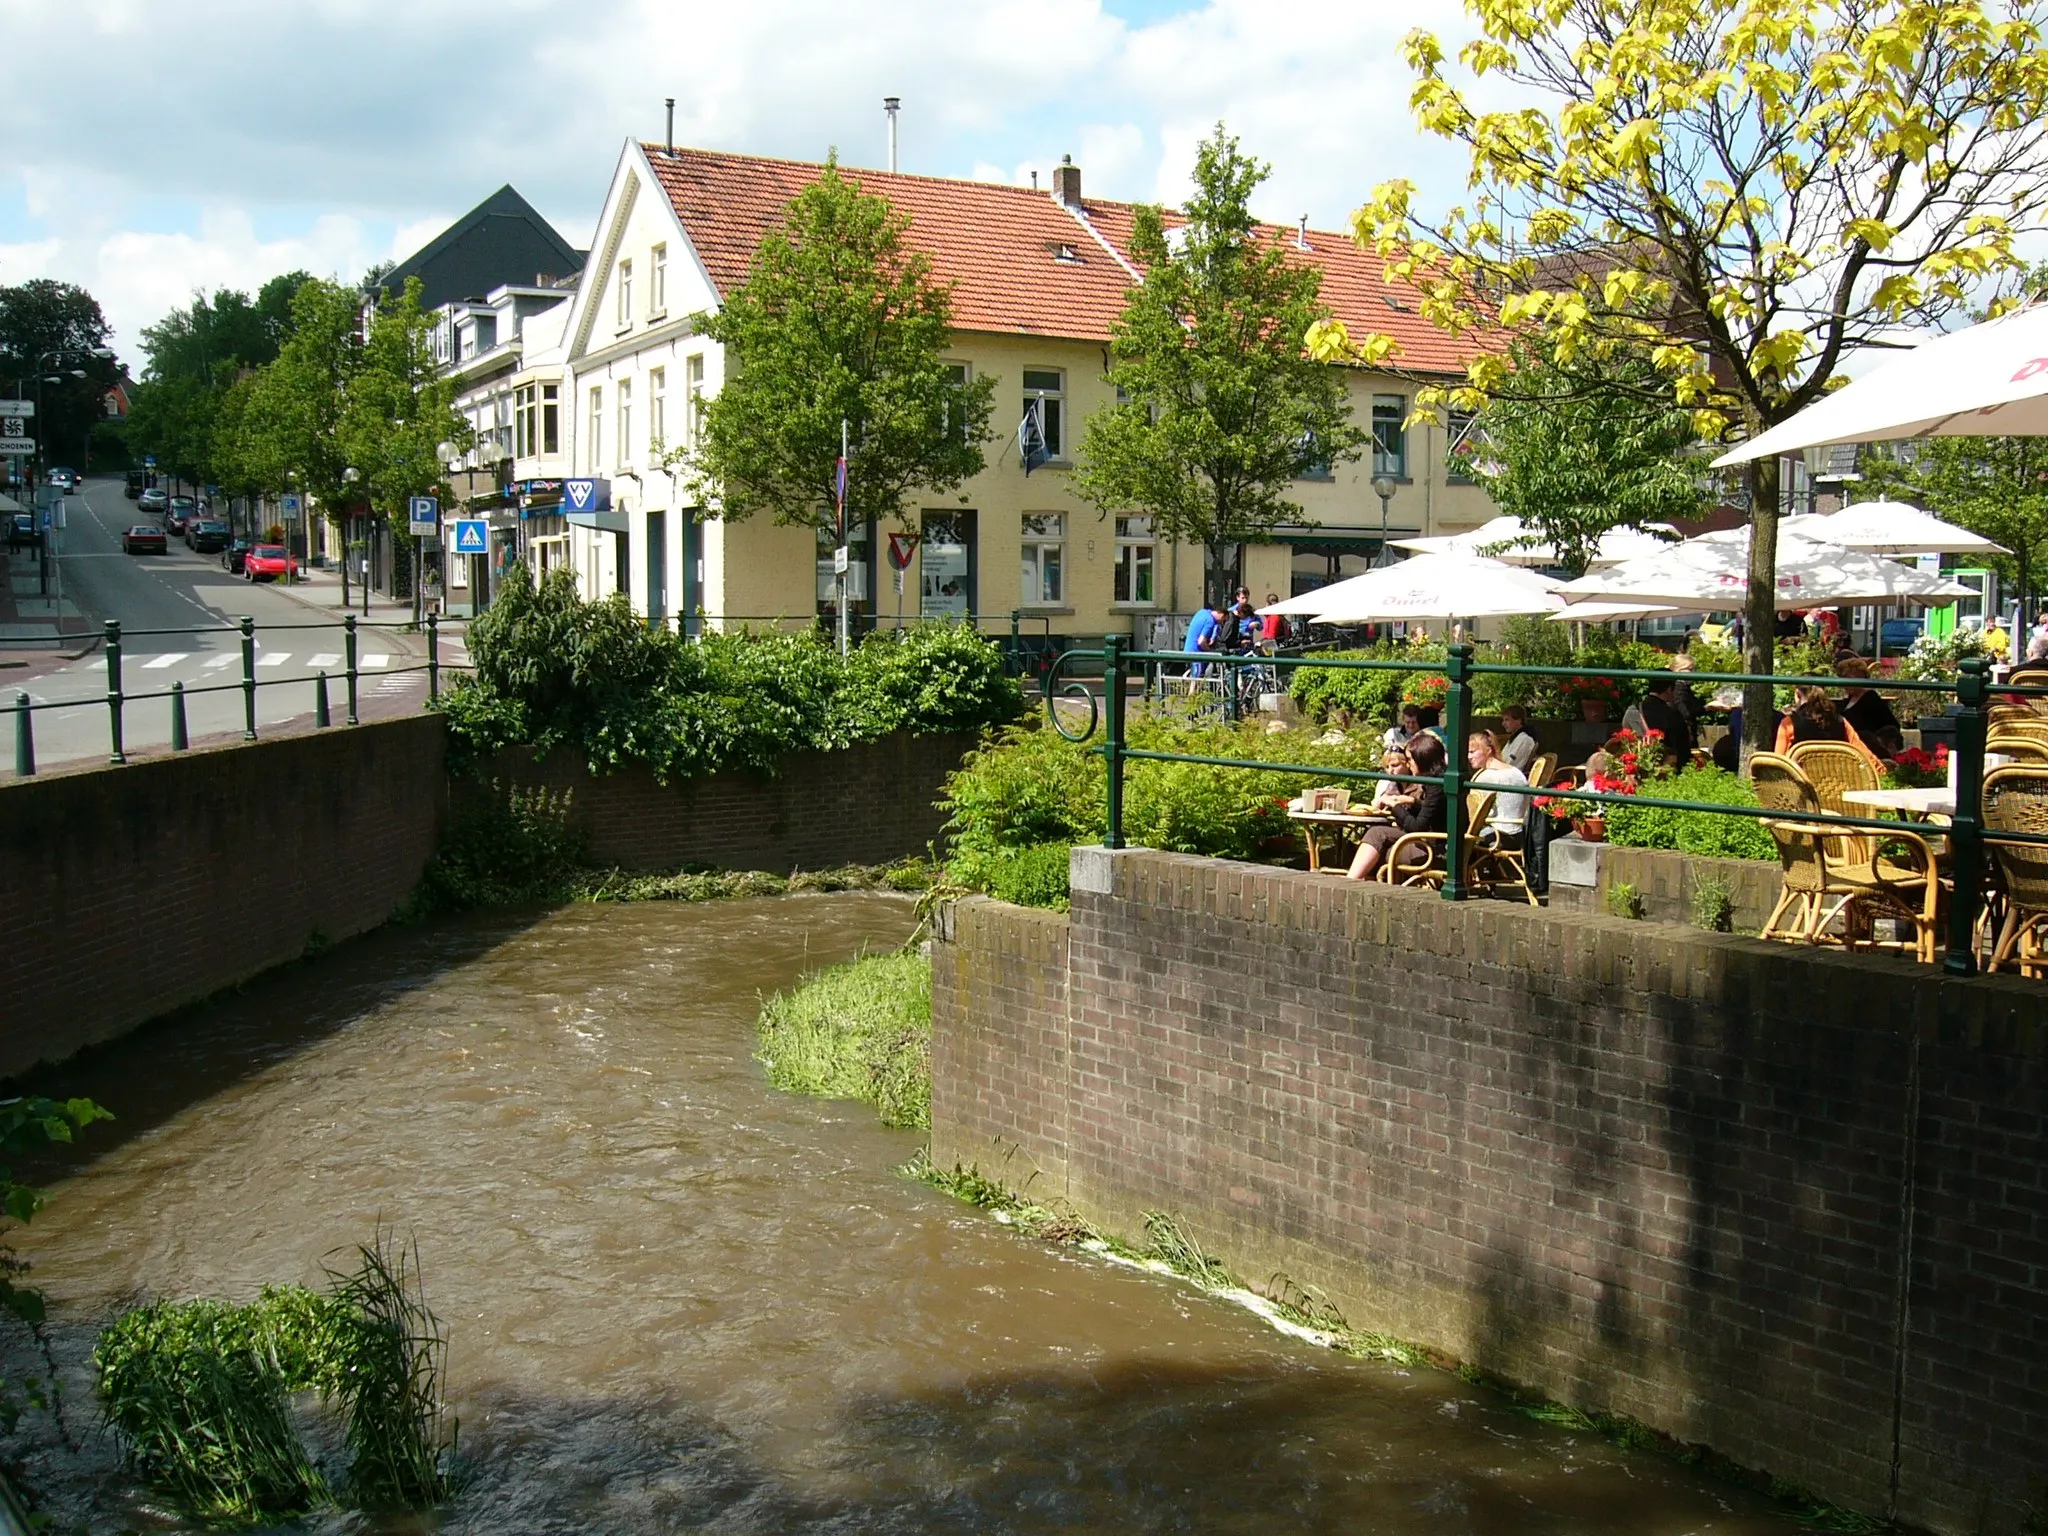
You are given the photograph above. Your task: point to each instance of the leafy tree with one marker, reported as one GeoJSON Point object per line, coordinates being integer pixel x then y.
{"type": "Point", "coordinates": [1220, 408]}
{"type": "Point", "coordinates": [1578, 450]}
{"type": "Point", "coordinates": [840, 324]}
{"type": "Point", "coordinates": [292, 426]}
{"type": "Point", "coordinates": [41, 317]}
{"type": "Point", "coordinates": [1752, 188]}
{"type": "Point", "coordinates": [1996, 486]}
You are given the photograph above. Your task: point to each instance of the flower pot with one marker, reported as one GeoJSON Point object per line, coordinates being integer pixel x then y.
{"type": "Point", "coordinates": [1591, 829]}
{"type": "Point", "coordinates": [1593, 709]}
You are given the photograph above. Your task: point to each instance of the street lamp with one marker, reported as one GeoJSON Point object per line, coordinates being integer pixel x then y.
{"type": "Point", "coordinates": [350, 477]}
{"type": "Point", "coordinates": [1384, 486]}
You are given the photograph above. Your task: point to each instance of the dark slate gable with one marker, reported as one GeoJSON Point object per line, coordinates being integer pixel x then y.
{"type": "Point", "coordinates": [500, 241]}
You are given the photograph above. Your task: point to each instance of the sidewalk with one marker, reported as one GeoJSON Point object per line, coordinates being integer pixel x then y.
{"type": "Point", "coordinates": [34, 627]}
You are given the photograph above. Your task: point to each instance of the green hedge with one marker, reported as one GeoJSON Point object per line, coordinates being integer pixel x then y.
{"type": "Point", "coordinates": [555, 671]}
{"type": "Point", "coordinates": [1021, 801]}
{"type": "Point", "coordinates": [1702, 832]}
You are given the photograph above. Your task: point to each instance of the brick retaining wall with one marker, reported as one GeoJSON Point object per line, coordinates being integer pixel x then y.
{"type": "Point", "coordinates": [130, 891]}
{"type": "Point", "coordinates": [1788, 1203]}
{"type": "Point", "coordinates": [868, 804]}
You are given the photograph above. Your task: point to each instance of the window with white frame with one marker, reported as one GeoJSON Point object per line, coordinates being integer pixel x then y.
{"type": "Point", "coordinates": [526, 419]}
{"type": "Point", "coordinates": [625, 394]}
{"type": "Point", "coordinates": [550, 418]}
{"type": "Point", "coordinates": [657, 411]}
{"type": "Point", "coordinates": [657, 281]}
{"type": "Point", "coordinates": [1045, 539]}
{"type": "Point", "coordinates": [596, 427]}
{"type": "Point", "coordinates": [1390, 435]}
{"type": "Point", "coordinates": [625, 286]}
{"type": "Point", "coordinates": [1137, 557]}
{"type": "Point", "coordinates": [1045, 392]}
{"type": "Point", "coordinates": [693, 383]}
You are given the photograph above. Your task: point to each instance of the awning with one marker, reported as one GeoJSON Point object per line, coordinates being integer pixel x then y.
{"type": "Point", "coordinates": [603, 522]}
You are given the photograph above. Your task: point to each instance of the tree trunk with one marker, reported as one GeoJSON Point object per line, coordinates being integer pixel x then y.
{"type": "Point", "coordinates": [1760, 617]}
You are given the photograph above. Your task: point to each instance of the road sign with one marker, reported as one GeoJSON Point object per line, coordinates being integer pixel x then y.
{"type": "Point", "coordinates": [17, 407]}
{"type": "Point", "coordinates": [425, 516]}
{"type": "Point", "coordinates": [901, 547]}
{"type": "Point", "coordinates": [13, 426]}
{"type": "Point", "coordinates": [839, 561]}
{"type": "Point", "coordinates": [17, 445]}
{"type": "Point", "coordinates": [149, 461]}
{"type": "Point", "coordinates": [472, 536]}
{"type": "Point", "coordinates": [587, 495]}
{"type": "Point", "coordinates": [289, 504]}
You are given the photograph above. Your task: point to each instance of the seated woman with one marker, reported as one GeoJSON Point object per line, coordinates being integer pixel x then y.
{"type": "Point", "coordinates": [1510, 810]}
{"type": "Point", "coordinates": [1813, 717]}
{"type": "Point", "coordinates": [1393, 760]}
{"type": "Point", "coordinates": [1864, 710]}
{"type": "Point", "coordinates": [1419, 808]}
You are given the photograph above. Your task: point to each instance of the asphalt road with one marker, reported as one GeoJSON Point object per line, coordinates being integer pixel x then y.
{"type": "Point", "coordinates": [180, 615]}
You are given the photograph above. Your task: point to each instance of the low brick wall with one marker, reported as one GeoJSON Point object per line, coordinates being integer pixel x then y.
{"type": "Point", "coordinates": [130, 891]}
{"type": "Point", "coordinates": [866, 805]}
{"type": "Point", "coordinates": [1668, 882]}
{"type": "Point", "coordinates": [1788, 1203]}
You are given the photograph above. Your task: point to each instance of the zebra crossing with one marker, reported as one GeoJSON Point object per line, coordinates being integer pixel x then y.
{"type": "Point", "coordinates": [319, 661]}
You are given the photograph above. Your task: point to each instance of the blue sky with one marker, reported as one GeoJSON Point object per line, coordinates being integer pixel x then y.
{"type": "Point", "coordinates": [196, 143]}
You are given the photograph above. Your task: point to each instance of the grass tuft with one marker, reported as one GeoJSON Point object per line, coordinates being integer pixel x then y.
{"type": "Point", "coordinates": [857, 1031]}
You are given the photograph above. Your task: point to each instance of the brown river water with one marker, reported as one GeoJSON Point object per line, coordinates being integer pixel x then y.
{"type": "Point", "coordinates": [677, 1301]}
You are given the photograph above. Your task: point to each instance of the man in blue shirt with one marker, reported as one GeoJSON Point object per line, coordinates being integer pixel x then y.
{"type": "Point", "coordinates": [1205, 630]}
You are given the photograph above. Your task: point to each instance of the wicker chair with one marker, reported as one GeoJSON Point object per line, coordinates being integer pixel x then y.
{"type": "Point", "coordinates": [1822, 885]}
{"type": "Point", "coordinates": [1486, 869]}
{"type": "Point", "coordinates": [2016, 800]}
{"type": "Point", "coordinates": [2024, 746]}
{"type": "Point", "coordinates": [1835, 768]}
{"type": "Point", "coordinates": [1543, 769]}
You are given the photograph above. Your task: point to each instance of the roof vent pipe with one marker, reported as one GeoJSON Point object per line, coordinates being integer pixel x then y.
{"type": "Point", "coordinates": [1066, 182]}
{"type": "Point", "coordinates": [670, 142]}
{"type": "Point", "coordinates": [1301, 234]}
{"type": "Point", "coordinates": [891, 105]}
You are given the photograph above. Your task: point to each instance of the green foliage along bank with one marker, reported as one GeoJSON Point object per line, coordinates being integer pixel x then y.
{"type": "Point", "coordinates": [858, 1031]}
{"type": "Point", "coordinates": [555, 671]}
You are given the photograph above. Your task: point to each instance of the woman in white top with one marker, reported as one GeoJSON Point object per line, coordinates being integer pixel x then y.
{"type": "Point", "coordinates": [1488, 767]}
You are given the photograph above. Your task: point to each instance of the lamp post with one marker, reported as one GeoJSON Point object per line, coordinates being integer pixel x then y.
{"type": "Point", "coordinates": [350, 477]}
{"type": "Point", "coordinates": [450, 455]}
{"type": "Point", "coordinates": [1383, 486]}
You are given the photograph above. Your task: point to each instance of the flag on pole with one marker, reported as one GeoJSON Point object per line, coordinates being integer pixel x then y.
{"type": "Point", "coordinates": [1031, 437]}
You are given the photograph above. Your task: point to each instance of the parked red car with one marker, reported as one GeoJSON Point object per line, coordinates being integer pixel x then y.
{"type": "Point", "coordinates": [144, 539]}
{"type": "Point", "coordinates": [268, 562]}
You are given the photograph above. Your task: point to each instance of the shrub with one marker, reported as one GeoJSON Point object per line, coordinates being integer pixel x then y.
{"type": "Point", "coordinates": [512, 847]}
{"type": "Point", "coordinates": [1701, 832]}
{"type": "Point", "coordinates": [858, 1031]}
{"type": "Point", "coordinates": [553, 670]}
{"type": "Point", "coordinates": [1326, 694]}
{"type": "Point", "coordinates": [1527, 642]}
{"type": "Point", "coordinates": [1033, 876]}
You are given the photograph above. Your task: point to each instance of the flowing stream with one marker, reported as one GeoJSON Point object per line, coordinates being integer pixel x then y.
{"type": "Point", "coordinates": [678, 1301]}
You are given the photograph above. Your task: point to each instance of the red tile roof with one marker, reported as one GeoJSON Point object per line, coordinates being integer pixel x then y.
{"type": "Point", "coordinates": [1018, 261]}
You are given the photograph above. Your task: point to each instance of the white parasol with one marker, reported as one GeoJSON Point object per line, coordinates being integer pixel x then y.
{"type": "Point", "coordinates": [1711, 573]}
{"type": "Point", "coordinates": [1990, 380]}
{"type": "Point", "coordinates": [1492, 540]}
{"type": "Point", "coordinates": [1891, 528]}
{"type": "Point", "coordinates": [1428, 587]}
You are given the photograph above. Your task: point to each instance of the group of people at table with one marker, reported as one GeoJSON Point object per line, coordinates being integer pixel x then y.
{"type": "Point", "coordinates": [1497, 760]}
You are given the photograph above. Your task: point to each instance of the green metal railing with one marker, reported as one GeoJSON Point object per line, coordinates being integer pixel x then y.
{"type": "Point", "coordinates": [1121, 665]}
{"type": "Point", "coordinates": [119, 701]}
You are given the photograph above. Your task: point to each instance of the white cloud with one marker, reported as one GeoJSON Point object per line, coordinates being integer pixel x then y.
{"type": "Point", "coordinates": [237, 138]}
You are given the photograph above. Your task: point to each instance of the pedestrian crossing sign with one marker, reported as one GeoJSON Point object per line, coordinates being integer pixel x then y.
{"type": "Point", "coordinates": [472, 536]}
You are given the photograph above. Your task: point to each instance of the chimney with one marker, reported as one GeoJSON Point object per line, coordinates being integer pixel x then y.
{"type": "Point", "coordinates": [670, 142]}
{"type": "Point", "coordinates": [891, 105]}
{"type": "Point", "coordinates": [1301, 235]}
{"type": "Point", "coordinates": [1066, 182]}
{"type": "Point", "coordinates": [1034, 181]}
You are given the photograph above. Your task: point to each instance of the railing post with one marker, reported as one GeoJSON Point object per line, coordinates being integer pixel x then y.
{"type": "Point", "coordinates": [433, 657]}
{"type": "Point", "coordinates": [1966, 830]}
{"type": "Point", "coordinates": [248, 677]}
{"type": "Point", "coordinates": [1457, 710]}
{"type": "Point", "coordinates": [181, 738]}
{"type": "Point", "coordinates": [322, 716]}
{"type": "Point", "coordinates": [115, 753]}
{"type": "Point", "coordinates": [24, 737]}
{"type": "Point", "coordinates": [1113, 735]}
{"type": "Point", "coordinates": [350, 625]}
